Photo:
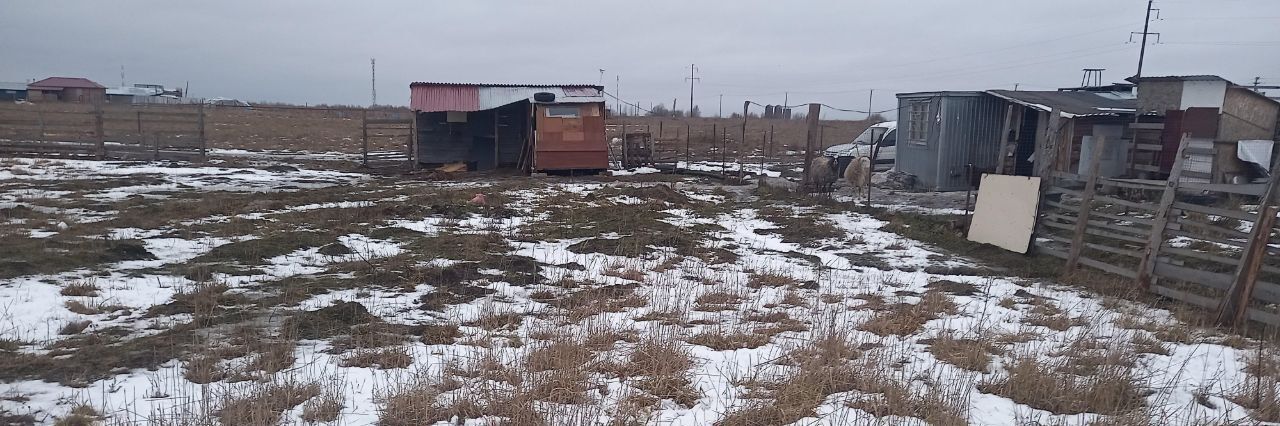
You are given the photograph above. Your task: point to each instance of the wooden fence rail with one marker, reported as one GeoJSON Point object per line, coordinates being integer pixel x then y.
{"type": "Point", "coordinates": [1161, 235]}
{"type": "Point", "coordinates": [91, 132]}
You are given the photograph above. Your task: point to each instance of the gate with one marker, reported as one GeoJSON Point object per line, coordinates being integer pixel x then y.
{"type": "Point", "coordinates": [1194, 242]}
{"type": "Point", "coordinates": [387, 142]}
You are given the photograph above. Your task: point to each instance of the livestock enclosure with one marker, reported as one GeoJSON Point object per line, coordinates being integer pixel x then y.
{"type": "Point", "coordinates": [1208, 245]}
{"type": "Point", "coordinates": [96, 131]}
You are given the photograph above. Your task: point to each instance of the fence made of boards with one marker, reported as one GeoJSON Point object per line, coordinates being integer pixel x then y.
{"type": "Point", "coordinates": [132, 132]}
{"type": "Point", "coordinates": [1209, 245]}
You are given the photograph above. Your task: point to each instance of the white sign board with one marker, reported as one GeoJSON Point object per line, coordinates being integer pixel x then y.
{"type": "Point", "coordinates": [1005, 213]}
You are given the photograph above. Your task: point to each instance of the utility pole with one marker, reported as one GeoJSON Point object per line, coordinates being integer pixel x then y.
{"type": "Point", "coordinates": [692, 78]}
{"type": "Point", "coordinates": [617, 93]}
{"type": "Point", "coordinates": [870, 98]}
{"type": "Point", "coordinates": [1255, 82]}
{"type": "Point", "coordinates": [721, 113]}
{"type": "Point", "coordinates": [1146, 31]}
{"type": "Point", "coordinates": [601, 82]}
{"type": "Point", "coordinates": [373, 82]}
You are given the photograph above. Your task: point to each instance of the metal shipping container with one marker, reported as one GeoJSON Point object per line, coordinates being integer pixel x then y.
{"type": "Point", "coordinates": [940, 133]}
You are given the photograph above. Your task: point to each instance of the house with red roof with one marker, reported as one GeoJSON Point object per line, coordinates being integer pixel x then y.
{"type": "Point", "coordinates": [66, 89]}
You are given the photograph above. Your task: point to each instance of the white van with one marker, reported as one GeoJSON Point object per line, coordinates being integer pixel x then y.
{"type": "Point", "coordinates": [883, 134]}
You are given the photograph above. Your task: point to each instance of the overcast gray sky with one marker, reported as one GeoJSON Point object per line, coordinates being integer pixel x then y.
{"type": "Point", "coordinates": [830, 51]}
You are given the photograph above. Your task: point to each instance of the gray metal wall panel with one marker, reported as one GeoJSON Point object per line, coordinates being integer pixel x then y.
{"type": "Point", "coordinates": [970, 136]}
{"type": "Point", "coordinates": [963, 128]}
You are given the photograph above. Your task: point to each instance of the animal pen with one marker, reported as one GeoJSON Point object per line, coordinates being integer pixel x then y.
{"type": "Point", "coordinates": [95, 131]}
{"type": "Point", "coordinates": [1205, 244]}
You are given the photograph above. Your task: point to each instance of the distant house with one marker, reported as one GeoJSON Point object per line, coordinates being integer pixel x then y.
{"type": "Point", "coordinates": [10, 92]}
{"type": "Point", "coordinates": [948, 139]}
{"type": "Point", "coordinates": [532, 127]}
{"type": "Point", "coordinates": [66, 89]}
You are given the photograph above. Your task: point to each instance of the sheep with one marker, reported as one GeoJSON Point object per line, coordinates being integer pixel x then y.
{"type": "Point", "coordinates": [822, 174]}
{"type": "Point", "coordinates": [858, 174]}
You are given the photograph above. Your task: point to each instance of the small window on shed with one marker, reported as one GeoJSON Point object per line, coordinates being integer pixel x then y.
{"type": "Point", "coordinates": [563, 111]}
{"type": "Point", "coordinates": [918, 117]}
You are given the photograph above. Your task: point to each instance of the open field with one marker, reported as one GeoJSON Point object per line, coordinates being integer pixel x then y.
{"type": "Point", "coordinates": [181, 294]}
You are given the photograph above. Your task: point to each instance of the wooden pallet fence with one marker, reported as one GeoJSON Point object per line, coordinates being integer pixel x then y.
{"type": "Point", "coordinates": [1163, 237]}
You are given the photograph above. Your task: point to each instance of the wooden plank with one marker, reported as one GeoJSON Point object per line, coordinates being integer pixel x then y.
{"type": "Point", "coordinates": [1097, 232]}
{"type": "Point", "coordinates": [1194, 299]}
{"type": "Point", "coordinates": [1161, 218]}
{"type": "Point", "coordinates": [1051, 251]}
{"type": "Point", "coordinates": [1137, 220]}
{"type": "Point", "coordinates": [1202, 237]}
{"type": "Point", "coordinates": [1147, 126]}
{"type": "Point", "coordinates": [1100, 224]}
{"type": "Point", "coordinates": [1230, 233]}
{"type": "Point", "coordinates": [376, 121]}
{"type": "Point", "coordinates": [1114, 250]}
{"type": "Point", "coordinates": [1214, 280]}
{"type": "Point", "coordinates": [1146, 168]}
{"type": "Point", "coordinates": [1262, 316]}
{"type": "Point", "coordinates": [1149, 147]}
{"type": "Point", "coordinates": [1126, 203]}
{"type": "Point", "coordinates": [1201, 151]}
{"type": "Point", "coordinates": [1255, 189]}
{"type": "Point", "coordinates": [1086, 203]}
{"type": "Point", "coordinates": [1129, 184]}
{"type": "Point", "coordinates": [1003, 153]}
{"type": "Point", "coordinates": [1199, 255]}
{"type": "Point", "coordinates": [1107, 267]}
{"type": "Point", "coordinates": [1234, 214]}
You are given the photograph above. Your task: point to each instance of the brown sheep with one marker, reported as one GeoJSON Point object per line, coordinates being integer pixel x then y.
{"type": "Point", "coordinates": [822, 174]}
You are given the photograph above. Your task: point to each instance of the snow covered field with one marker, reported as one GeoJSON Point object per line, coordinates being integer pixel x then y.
{"type": "Point", "coordinates": [180, 294]}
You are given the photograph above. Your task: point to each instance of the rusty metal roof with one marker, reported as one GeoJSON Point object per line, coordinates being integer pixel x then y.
{"type": "Point", "coordinates": [66, 82]}
{"type": "Point", "coordinates": [429, 83]}
{"type": "Point", "coordinates": [433, 97]}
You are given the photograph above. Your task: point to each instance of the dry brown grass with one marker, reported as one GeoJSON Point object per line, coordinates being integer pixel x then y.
{"type": "Point", "coordinates": [323, 409]}
{"type": "Point", "coordinates": [79, 415]}
{"type": "Point", "coordinates": [74, 327]}
{"type": "Point", "coordinates": [411, 405]}
{"type": "Point", "coordinates": [80, 288]}
{"type": "Point", "coordinates": [1048, 315]}
{"type": "Point", "coordinates": [560, 354]}
{"type": "Point", "coordinates": [969, 354]}
{"type": "Point", "coordinates": [1049, 384]}
{"type": "Point", "coordinates": [723, 340]}
{"type": "Point", "coordinates": [1261, 396]}
{"type": "Point", "coordinates": [770, 279]}
{"type": "Point", "coordinates": [907, 319]}
{"type": "Point", "coordinates": [380, 358]}
{"type": "Point", "coordinates": [717, 301]}
{"type": "Point", "coordinates": [263, 404]}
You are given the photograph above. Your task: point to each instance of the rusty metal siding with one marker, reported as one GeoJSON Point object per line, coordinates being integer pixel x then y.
{"type": "Point", "coordinates": [570, 143]}
{"type": "Point", "coordinates": [963, 128]}
{"type": "Point", "coordinates": [444, 98]}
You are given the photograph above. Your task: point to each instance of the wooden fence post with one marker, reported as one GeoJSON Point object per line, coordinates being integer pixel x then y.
{"type": "Point", "coordinates": [413, 140]}
{"type": "Point", "coordinates": [1004, 140]}
{"type": "Point", "coordinates": [204, 143]}
{"type": "Point", "coordinates": [364, 137]}
{"type": "Point", "coordinates": [142, 140]}
{"type": "Point", "coordinates": [1234, 308]}
{"type": "Point", "coordinates": [101, 138]}
{"type": "Point", "coordinates": [811, 140]}
{"type": "Point", "coordinates": [1086, 204]}
{"type": "Point", "coordinates": [1161, 220]}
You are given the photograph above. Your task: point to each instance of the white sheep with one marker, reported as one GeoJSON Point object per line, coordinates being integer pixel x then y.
{"type": "Point", "coordinates": [858, 174]}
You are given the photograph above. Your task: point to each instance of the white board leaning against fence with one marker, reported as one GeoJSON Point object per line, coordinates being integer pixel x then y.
{"type": "Point", "coordinates": [1005, 214]}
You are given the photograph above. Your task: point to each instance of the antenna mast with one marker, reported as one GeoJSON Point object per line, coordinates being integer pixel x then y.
{"type": "Point", "coordinates": [373, 82]}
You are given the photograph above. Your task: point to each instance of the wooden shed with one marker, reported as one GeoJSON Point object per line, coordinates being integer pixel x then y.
{"type": "Point", "coordinates": [530, 127]}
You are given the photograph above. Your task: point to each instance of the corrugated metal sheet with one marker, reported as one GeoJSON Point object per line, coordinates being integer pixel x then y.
{"type": "Point", "coordinates": [963, 128]}
{"type": "Point", "coordinates": [432, 97]}
{"type": "Point", "coordinates": [1071, 104]}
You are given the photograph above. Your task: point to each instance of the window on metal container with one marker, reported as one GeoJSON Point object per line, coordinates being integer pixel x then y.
{"type": "Point", "coordinates": [563, 111]}
{"type": "Point", "coordinates": [918, 130]}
